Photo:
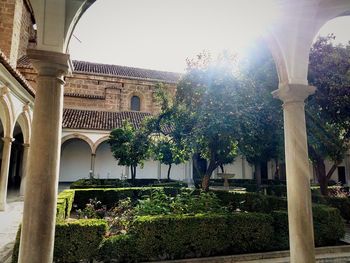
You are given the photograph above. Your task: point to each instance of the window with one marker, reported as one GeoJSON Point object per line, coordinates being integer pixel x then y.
{"type": "Point", "coordinates": [135, 103]}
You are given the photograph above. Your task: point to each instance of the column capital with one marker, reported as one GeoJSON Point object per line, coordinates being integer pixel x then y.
{"type": "Point", "coordinates": [48, 63]}
{"type": "Point", "coordinates": [293, 92]}
{"type": "Point", "coordinates": [8, 139]}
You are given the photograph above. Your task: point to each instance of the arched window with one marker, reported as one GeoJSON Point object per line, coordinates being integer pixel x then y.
{"type": "Point", "coordinates": [135, 103]}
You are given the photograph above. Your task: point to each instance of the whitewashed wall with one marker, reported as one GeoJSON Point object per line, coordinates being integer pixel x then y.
{"type": "Point", "coordinates": [75, 160]}
{"type": "Point", "coordinates": [106, 166]}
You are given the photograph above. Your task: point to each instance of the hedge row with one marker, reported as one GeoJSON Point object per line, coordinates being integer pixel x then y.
{"type": "Point", "coordinates": [64, 204]}
{"type": "Point", "coordinates": [74, 241]}
{"type": "Point", "coordinates": [117, 183]}
{"type": "Point", "coordinates": [172, 237]}
{"type": "Point", "coordinates": [341, 203]}
{"type": "Point", "coordinates": [110, 196]}
{"type": "Point", "coordinates": [251, 202]}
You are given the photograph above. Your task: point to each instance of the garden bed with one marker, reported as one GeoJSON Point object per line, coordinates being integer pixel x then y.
{"type": "Point", "coordinates": [174, 223]}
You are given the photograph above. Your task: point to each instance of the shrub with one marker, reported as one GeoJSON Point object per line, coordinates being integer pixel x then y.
{"type": "Point", "coordinates": [117, 183]}
{"type": "Point", "coordinates": [111, 196]}
{"type": "Point", "coordinates": [328, 227]}
{"type": "Point", "coordinates": [120, 248]}
{"type": "Point", "coordinates": [185, 202]}
{"type": "Point", "coordinates": [74, 240]}
{"type": "Point", "coordinates": [179, 236]}
{"type": "Point", "coordinates": [341, 203]}
{"type": "Point", "coordinates": [64, 204]}
{"type": "Point", "coordinates": [251, 202]}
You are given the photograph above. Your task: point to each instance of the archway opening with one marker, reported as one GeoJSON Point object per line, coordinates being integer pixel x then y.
{"type": "Point", "coordinates": [16, 161]}
{"type": "Point", "coordinates": [106, 166]}
{"type": "Point", "coordinates": [75, 160]}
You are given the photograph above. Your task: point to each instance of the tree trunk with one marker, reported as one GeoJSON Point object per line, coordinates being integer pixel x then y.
{"type": "Point", "coordinates": [320, 169]}
{"type": "Point", "coordinates": [205, 181]}
{"type": "Point", "coordinates": [133, 173]}
{"type": "Point", "coordinates": [169, 168]}
{"type": "Point", "coordinates": [258, 174]}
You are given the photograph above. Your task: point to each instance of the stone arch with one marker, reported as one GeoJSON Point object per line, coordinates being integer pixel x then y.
{"type": "Point", "coordinates": [80, 137]}
{"type": "Point", "coordinates": [24, 122]}
{"type": "Point", "coordinates": [6, 115]}
{"type": "Point", "coordinates": [278, 58]}
{"type": "Point", "coordinates": [99, 142]}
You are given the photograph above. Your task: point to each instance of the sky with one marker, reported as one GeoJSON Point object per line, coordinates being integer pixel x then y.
{"type": "Point", "coordinates": [161, 34]}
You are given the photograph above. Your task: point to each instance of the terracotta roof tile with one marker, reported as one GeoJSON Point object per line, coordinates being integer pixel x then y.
{"type": "Point", "coordinates": [114, 70]}
{"type": "Point", "coordinates": [16, 74]}
{"type": "Point", "coordinates": [100, 120]}
{"type": "Point", "coordinates": [123, 71]}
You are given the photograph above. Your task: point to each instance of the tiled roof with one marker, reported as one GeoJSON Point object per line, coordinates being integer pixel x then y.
{"type": "Point", "coordinates": [114, 70]}
{"type": "Point", "coordinates": [16, 74]}
{"type": "Point", "coordinates": [100, 120]}
{"type": "Point", "coordinates": [123, 71]}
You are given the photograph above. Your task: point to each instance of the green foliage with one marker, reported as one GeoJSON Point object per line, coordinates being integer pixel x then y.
{"type": "Point", "coordinates": [327, 111]}
{"type": "Point", "coordinates": [201, 235]}
{"type": "Point", "coordinates": [251, 202]}
{"type": "Point", "coordinates": [186, 202]}
{"type": "Point", "coordinates": [93, 209]}
{"type": "Point", "coordinates": [117, 183]}
{"type": "Point", "coordinates": [74, 240]}
{"type": "Point", "coordinates": [328, 227]}
{"type": "Point", "coordinates": [202, 118]}
{"type": "Point", "coordinates": [64, 204]}
{"type": "Point", "coordinates": [129, 146]}
{"type": "Point", "coordinates": [261, 122]}
{"type": "Point", "coordinates": [120, 248]}
{"type": "Point", "coordinates": [111, 196]}
{"type": "Point", "coordinates": [341, 203]}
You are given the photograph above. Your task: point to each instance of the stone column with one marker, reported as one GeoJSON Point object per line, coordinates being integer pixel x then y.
{"type": "Point", "coordinates": [92, 165]}
{"type": "Point", "coordinates": [4, 174]}
{"type": "Point", "coordinates": [159, 171]}
{"type": "Point", "coordinates": [24, 168]}
{"type": "Point", "coordinates": [301, 234]}
{"type": "Point", "coordinates": [39, 213]}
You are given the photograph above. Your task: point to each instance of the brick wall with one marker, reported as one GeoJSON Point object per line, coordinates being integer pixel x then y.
{"type": "Point", "coordinates": [7, 10]}
{"type": "Point", "coordinates": [95, 92]}
{"type": "Point", "coordinates": [104, 93]}
{"type": "Point", "coordinates": [15, 28]}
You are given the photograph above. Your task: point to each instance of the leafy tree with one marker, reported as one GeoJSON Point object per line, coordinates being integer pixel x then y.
{"type": "Point", "coordinates": [129, 146]}
{"type": "Point", "coordinates": [206, 96]}
{"type": "Point", "coordinates": [328, 110]}
{"type": "Point", "coordinates": [167, 145]}
{"type": "Point", "coordinates": [261, 115]}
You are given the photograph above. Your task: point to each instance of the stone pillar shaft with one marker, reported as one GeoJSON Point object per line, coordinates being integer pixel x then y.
{"type": "Point", "coordinates": [24, 168]}
{"type": "Point", "coordinates": [159, 170]}
{"type": "Point", "coordinates": [301, 235]}
{"type": "Point", "coordinates": [5, 165]}
{"type": "Point", "coordinates": [92, 165]}
{"type": "Point", "coordinates": [38, 227]}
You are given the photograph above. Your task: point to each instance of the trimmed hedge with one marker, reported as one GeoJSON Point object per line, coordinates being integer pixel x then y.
{"type": "Point", "coordinates": [187, 236]}
{"type": "Point", "coordinates": [328, 227]}
{"type": "Point", "coordinates": [111, 196]}
{"type": "Point", "coordinates": [64, 204]}
{"type": "Point", "coordinates": [117, 183]}
{"type": "Point", "coordinates": [74, 240]}
{"type": "Point", "coordinates": [341, 203]}
{"type": "Point", "coordinates": [251, 202]}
